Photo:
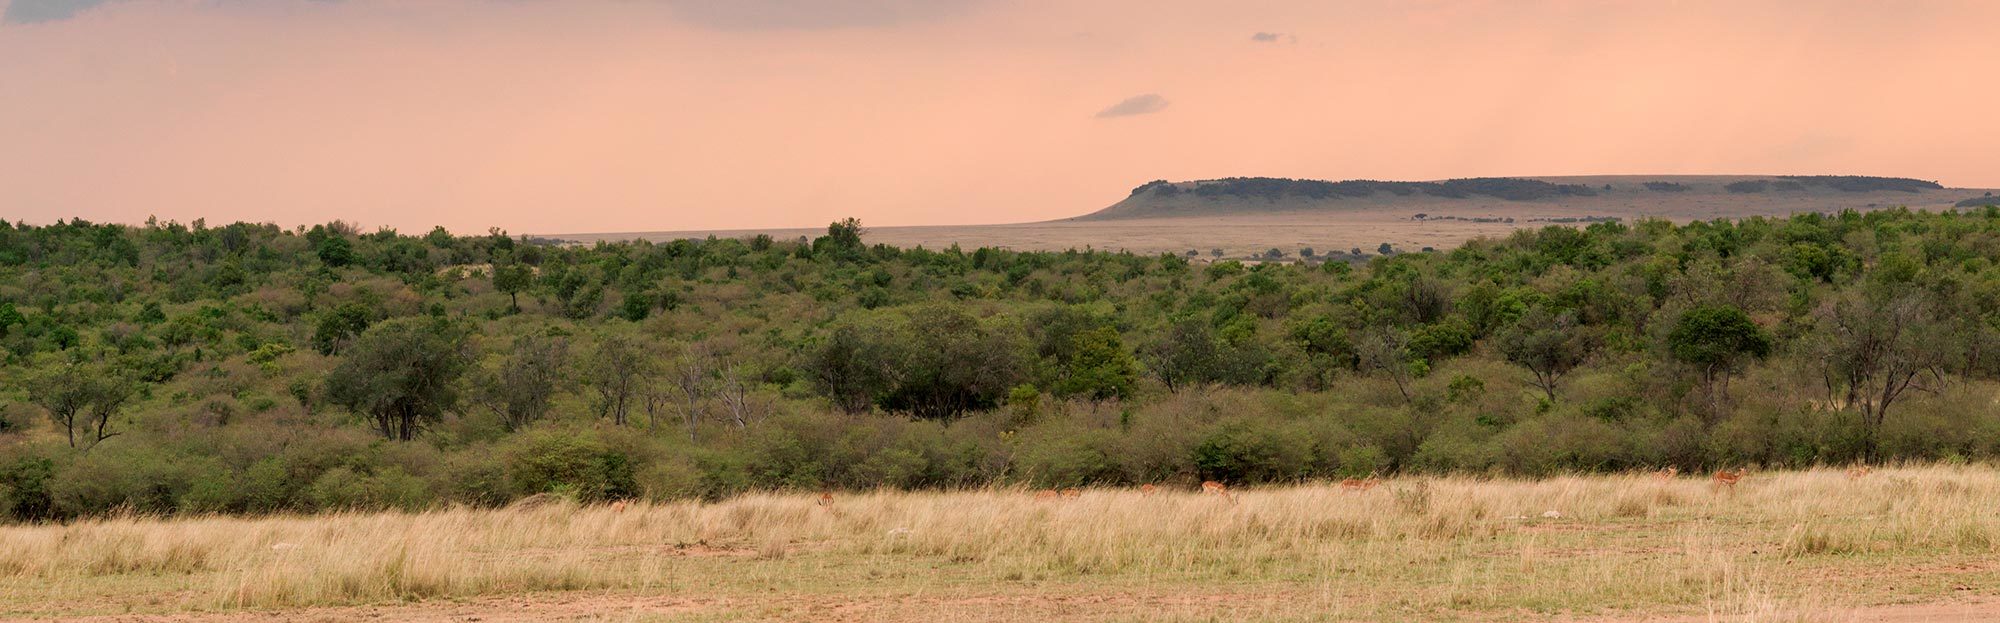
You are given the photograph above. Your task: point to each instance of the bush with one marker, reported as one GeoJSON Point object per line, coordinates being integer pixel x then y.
{"type": "Point", "coordinates": [24, 488]}
{"type": "Point", "coordinates": [572, 465]}
{"type": "Point", "coordinates": [1241, 452]}
{"type": "Point", "coordinates": [344, 488]}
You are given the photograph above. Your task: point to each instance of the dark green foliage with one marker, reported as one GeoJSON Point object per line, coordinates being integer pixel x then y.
{"type": "Point", "coordinates": [336, 252]}
{"type": "Point", "coordinates": [80, 398]}
{"type": "Point", "coordinates": [1549, 344]}
{"type": "Point", "coordinates": [402, 374]}
{"type": "Point", "coordinates": [579, 467]}
{"type": "Point", "coordinates": [1717, 336]}
{"type": "Point", "coordinates": [248, 372]}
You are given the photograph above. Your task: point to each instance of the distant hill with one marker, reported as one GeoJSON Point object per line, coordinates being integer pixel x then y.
{"type": "Point", "coordinates": [1661, 194]}
{"type": "Point", "coordinates": [1979, 202]}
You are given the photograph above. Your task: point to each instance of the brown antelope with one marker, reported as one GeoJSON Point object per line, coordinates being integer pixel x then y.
{"type": "Point", "coordinates": [1856, 473]}
{"type": "Point", "coordinates": [1072, 493]}
{"type": "Point", "coordinates": [618, 506]}
{"type": "Point", "coordinates": [1361, 484]}
{"type": "Point", "coordinates": [1045, 494]}
{"type": "Point", "coordinates": [1726, 478]}
{"type": "Point", "coordinates": [826, 499]}
{"type": "Point", "coordinates": [1667, 473]}
{"type": "Point", "coordinates": [1148, 489]}
{"type": "Point", "coordinates": [1210, 486]}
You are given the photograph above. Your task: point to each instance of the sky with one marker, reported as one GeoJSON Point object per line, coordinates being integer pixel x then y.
{"type": "Point", "coordinates": [569, 116]}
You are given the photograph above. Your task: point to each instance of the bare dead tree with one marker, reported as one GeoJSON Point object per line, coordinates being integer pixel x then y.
{"type": "Point", "coordinates": [735, 396]}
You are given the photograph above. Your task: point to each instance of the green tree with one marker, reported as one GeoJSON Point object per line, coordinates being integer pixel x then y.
{"type": "Point", "coordinates": [339, 325]}
{"type": "Point", "coordinates": [402, 374]}
{"type": "Point", "coordinates": [948, 361]}
{"type": "Point", "coordinates": [1387, 350]}
{"type": "Point", "coordinates": [1096, 366]}
{"type": "Point", "coordinates": [617, 371]}
{"type": "Point", "coordinates": [335, 252]}
{"type": "Point", "coordinates": [521, 385]}
{"type": "Point", "coordinates": [842, 241]}
{"type": "Point", "coordinates": [1188, 354]}
{"type": "Point", "coordinates": [848, 366]}
{"type": "Point", "coordinates": [80, 397]}
{"type": "Point", "coordinates": [512, 277]}
{"type": "Point", "coordinates": [1716, 340]}
{"type": "Point", "coordinates": [1549, 344]}
{"type": "Point", "coordinates": [1874, 348]}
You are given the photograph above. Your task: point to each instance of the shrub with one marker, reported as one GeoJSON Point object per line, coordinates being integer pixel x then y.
{"type": "Point", "coordinates": [563, 463]}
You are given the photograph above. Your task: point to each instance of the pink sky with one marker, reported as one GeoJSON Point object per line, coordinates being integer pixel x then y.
{"type": "Point", "coordinates": [551, 116]}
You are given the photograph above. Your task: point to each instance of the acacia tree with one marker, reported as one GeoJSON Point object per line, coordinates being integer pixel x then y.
{"type": "Point", "coordinates": [1717, 340]}
{"type": "Point", "coordinates": [1873, 349]}
{"type": "Point", "coordinates": [512, 276]}
{"type": "Point", "coordinates": [847, 366]}
{"type": "Point", "coordinates": [402, 373]}
{"type": "Point", "coordinates": [1548, 344]}
{"type": "Point", "coordinates": [1189, 354]}
{"type": "Point", "coordinates": [1387, 349]}
{"type": "Point", "coordinates": [520, 388]}
{"type": "Point", "coordinates": [81, 396]}
{"type": "Point", "coordinates": [616, 371]}
{"type": "Point", "coordinates": [946, 361]}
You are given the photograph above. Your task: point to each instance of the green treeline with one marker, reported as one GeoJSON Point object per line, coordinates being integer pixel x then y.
{"type": "Point", "coordinates": [248, 368]}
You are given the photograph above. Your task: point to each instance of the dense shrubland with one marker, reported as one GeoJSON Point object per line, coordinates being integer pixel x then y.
{"type": "Point", "coordinates": [247, 368]}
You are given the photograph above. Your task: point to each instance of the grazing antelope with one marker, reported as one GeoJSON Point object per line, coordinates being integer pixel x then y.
{"type": "Point", "coordinates": [1072, 493]}
{"type": "Point", "coordinates": [1045, 494]}
{"type": "Point", "coordinates": [826, 499]}
{"type": "Point", "coordinates": [1726, 478]}
{"type": "Point", "coordinates": [618, 506]}
{"type": "Point", "coordinates": [1667, 473]}
{"type": "Point", "coordinates": [1148, 489]}
{"type": "Point", "coordinates": [1856, 473]}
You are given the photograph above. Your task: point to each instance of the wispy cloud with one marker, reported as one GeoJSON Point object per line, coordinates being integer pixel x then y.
{"type": "Point", "coordinates": [1136, 105]}
{"type": "Point", "coordinates": [1274, 37]}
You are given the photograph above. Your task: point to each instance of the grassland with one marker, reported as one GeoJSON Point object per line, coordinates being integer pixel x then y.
{"type": "Point", "coordinates": [1778, 547]}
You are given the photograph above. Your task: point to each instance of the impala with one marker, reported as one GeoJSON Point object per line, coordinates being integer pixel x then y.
{"type": "Point", "coordinates": [1726, 478]}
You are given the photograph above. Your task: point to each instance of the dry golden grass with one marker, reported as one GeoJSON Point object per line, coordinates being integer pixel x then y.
{"type": "Point", "coordinates": [1782, 546]}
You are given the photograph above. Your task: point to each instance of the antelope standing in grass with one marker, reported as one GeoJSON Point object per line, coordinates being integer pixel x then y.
{"type": "Point", "coordinates": [1667, 473]}
{"type": "Point", "coordinates": [1072, 493]}
{"type": "Point", "coordinates": [1727, 479]}
{"type": "Point", "coordinates": [1361, 484]}
{"type": "Point", "coordinates": [826, 499]}
{"type": "Point", "coordinates": [1858, 472]}
{"type": "Point", "coordinates": [1148, 489]}
{"type": "Point", "coordinates": [1210, 486]}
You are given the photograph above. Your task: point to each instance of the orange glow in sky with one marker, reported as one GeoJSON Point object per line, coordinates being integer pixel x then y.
{"type": "Point", "coordinates": [553, 116]}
